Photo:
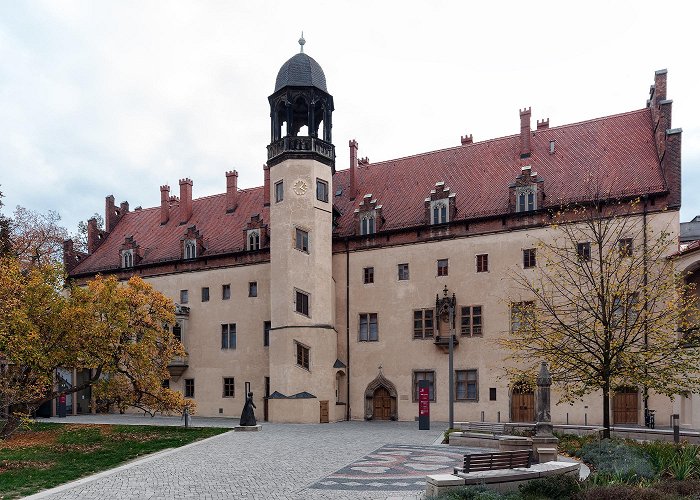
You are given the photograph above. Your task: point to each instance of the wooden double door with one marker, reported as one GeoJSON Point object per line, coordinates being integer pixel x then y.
{"type": "Point", "coordinates": [626, 406]}
{"type": "Point", "coordinates": [382, 404]}
{"type": "Point", "coordinates": [522, 407]}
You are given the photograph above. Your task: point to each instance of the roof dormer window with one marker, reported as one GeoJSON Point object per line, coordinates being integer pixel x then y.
{"type": "Point", "coordinates": [440, 207]}
{"type": "Point", "coordinates": [367, 224]}
{"type": "Point", "coordinates": [526, 198]}
{"type": "Point", "coordinates": [127, 258]}
{"type": "Point", "coordinates": [439, 212]}
{"type": "Point", "coordinates": [190, 250]}
{"type": "Point", "coordinates": [253, 239]}
{"type": "Point", "coordinates": [368, 216]}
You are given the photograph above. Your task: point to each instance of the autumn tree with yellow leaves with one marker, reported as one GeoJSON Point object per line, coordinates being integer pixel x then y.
{"type": "Point", "coordinates": [604, 307]}
{"type": "Point", "coordinates": [114, 329]}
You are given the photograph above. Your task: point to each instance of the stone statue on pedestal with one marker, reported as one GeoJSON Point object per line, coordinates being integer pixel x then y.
{"type": "Point", "coordinates": [544, 417]}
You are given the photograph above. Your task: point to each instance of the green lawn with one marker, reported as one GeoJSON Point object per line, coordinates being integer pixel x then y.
{"type": "Point", "coordinates": [51, 454]}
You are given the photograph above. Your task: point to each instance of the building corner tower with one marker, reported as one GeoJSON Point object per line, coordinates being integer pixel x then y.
{"type": "Point", "coordinates": [301, 164]}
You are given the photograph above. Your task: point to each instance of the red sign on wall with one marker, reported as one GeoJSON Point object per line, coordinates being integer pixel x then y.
{"type": "Point", "coordinates": [423, 402]}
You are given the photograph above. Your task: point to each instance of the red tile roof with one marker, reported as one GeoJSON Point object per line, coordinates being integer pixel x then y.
{"type": "Point", "coordinates": [615, 155]}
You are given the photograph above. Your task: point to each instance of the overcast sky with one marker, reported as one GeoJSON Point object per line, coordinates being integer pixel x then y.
{"type": "Point", "coordinates": [100, 98]}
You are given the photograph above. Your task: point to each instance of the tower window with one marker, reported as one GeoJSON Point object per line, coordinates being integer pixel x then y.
{"type": "Point", "coordinates": [302, 240]}
{"type": "Point", "coordinates": [301, 302]}
{"type": "Point", "coordinates": [279, 191]}
{"type": "Point", "coordinates": [266, 333]}
{"type": "Point", "coordinates": [321, 190]}
{"type": "Point", "coordinates": [302, 356]}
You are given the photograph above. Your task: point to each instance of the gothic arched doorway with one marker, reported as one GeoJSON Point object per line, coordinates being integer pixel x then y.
{"type": "Point", "coordinates": [380, 400]}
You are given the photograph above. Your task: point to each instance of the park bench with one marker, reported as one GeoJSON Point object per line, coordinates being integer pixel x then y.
{"type": "Point", "coordinates": [484, 427]}
{"type": "Point", "coordinates": [477, 462]}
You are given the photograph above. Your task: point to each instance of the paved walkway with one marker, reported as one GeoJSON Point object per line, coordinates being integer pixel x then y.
{"type": "Point", "coordinates": [283, 461]}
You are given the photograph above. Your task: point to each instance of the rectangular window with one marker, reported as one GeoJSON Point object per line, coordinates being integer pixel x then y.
{"type": "Point", "coordinates": [368, 275]}
{"type": "Point", "coordinates": [583, 250]}
{"type": "Point", "coordinates": [403, 272]}
{"type": "Point", "coordinates": [302, 240]}
{"type": "Point", "coordinates": [492, 394]}
{"type": "Point", "coordinates": [482, 263]}
{"type": "Point", "coordinates": [302, 356]}
{"type": "Point", "coordinates": [625, 247]}
{"type": "Point", "coordinates": [442, 267]}
{"type": "Point", "coordinates": [529, 258]}
{"type": "Point", "coordinates": [368, 327]}
{"type": "Point", "coordinates": [279, 191]}
{"type": "Point", "coordinates": [466, 385]}
{"type": "Point", "coordinates": [205, 294]}
{"type": "Point", "coordinates": [423, 323]}
{"type": "Point", "coordinates": [228, 336]}
{"type": "Point", "coordinates": [189, 387]}
{"type": "Point", "coordinates": [253, 289]}
{"type": "Point", "coordinates": [424, 375]}
{"type": "Point", "coordinates": [522, 315]}
{"type": "Point", "coordinates": [184, 296]}
{"type": "Point", "coordinates": [472, 321]}
{"type": "Point", "coordinates": [266, 333]}
{"type": "Point", "coordinates": [229, 388]}
{"type": "Point", "coordinates": [321, 190]}
{"type": "Point", "coordinates": [301, 302]}
{"type": "Point", "coordinates": [225, 292]}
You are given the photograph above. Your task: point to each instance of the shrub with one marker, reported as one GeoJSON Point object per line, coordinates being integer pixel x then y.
{"type": "Point", "coordinates": [679, 462]}
{"type": "Point", "coordinates": [687, 488]}
{"type": "Point", "coordinates": [617, 458]}
{"type": "Point", "coordinates": [571, 443]}
{"type": "Point", "coordinates": [619, 492]}
{"type": "Point", "coordinates": [475, 493]}
{"type": "Point", "coordinates": [557, 487]}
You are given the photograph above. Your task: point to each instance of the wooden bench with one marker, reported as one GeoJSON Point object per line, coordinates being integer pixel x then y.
{"type": "Point", "coordinates": [484, 427]}
{"type": "Point", "coordinates": [476, 462]}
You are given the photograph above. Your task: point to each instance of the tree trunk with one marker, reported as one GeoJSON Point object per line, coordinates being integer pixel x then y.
{"type": "Point", "coordinates": [11, 424]}
{"type": "Point", "coordinates": [606, 410]}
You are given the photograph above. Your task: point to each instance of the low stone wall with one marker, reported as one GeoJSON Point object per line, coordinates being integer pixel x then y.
{"type": "Point", "coordinates": [503, 480]}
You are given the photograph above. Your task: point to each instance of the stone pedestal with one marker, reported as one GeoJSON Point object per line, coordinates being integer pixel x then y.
{"type": "Point", "coordinates": [514, 443]}
{"type": "Point", "coordinates": [548, 444]}
{"type": "Point", "coordinates": [247, 428]}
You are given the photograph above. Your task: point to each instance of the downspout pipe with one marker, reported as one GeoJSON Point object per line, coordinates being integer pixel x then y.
{"type": "Point", "coordinates": [645, 264]}
{"type": "Point", "coordinates": [347, 324]}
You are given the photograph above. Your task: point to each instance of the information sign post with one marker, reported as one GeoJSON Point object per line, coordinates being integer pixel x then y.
{"type": "Point", "coordinates": [423, 405]}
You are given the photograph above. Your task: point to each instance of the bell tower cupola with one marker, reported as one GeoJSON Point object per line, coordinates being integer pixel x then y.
{"type": "Point", "coordinates": [301, 112]}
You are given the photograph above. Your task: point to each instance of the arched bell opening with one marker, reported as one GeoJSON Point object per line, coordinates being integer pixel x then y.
{"type": "Point", "coordinates": [381, 400]}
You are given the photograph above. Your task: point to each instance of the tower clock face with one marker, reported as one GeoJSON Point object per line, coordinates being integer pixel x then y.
{"type": "Point", "coordinates": [300, 187]}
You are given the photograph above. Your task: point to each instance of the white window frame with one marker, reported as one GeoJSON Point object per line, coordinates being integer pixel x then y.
{"type": "Point", "coordinates": [253, 239]}
{"type": "Point", "coordinates": [526, 198]}
{"type": "Point", "coordinates": [190, 250]}
{"type": "Point", "coordinates": [128, 258]}
{"type": "Point", "coordinates": [368, 224]}
{"type": "Point", "coordinates": [441, 208]}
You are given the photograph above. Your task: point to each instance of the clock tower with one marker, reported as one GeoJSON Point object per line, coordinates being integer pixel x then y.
{"type": "Point", "coordinates": [301, 164]}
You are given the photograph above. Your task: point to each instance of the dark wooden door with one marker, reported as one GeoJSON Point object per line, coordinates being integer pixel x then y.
{"type": "Point", "coordinates": [523, 407]}
{"type": "Point", "coordinates": [626, 406]}
{"type": "Point", "coordinates": [324, 412]}
{"type": "Point", "coordinates": [382, 404]}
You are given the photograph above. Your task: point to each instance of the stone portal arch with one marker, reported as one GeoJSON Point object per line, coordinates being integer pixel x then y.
{"type": "Point", "coordinates": [383, 388]}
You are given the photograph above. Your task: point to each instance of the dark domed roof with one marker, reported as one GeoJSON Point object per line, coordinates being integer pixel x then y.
{"type": "Point", "coordinates": [301, 71]}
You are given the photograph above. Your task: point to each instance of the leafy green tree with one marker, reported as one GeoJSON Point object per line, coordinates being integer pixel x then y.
{"type": "Point", "coordinates": [604, 307]}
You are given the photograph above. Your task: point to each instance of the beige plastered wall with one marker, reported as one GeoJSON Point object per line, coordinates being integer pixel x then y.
{"type": "Point", "coordinates": [394, 301]}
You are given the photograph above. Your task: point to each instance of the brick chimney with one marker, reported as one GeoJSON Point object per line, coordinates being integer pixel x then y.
{"type": "Point", "coordinates": [93, 235]}
{"type": "Point", "coordinates": [123, 208]}
{"type": "Point", "coordinates": [111, 215]}
{"type": "Point", "coordinates": [266, 186]}
{"type": "Point", "coordinates": [185, 200]}
{"type": "Point", "coordinates": [671, 166]}
{"type": "Point", "coordinates": [231, 191]}
{"type": "Point", "coordinates": [353, 166]}
{"type": "Point", "coordinates": [525, 133]}
{"type": "Point", "coordinates": [164, 204]}
{"type": "Point", "coordinates": [466, 139]}
{"type": "Point", "coordinates": [660, 110]}
{"type": "Point", "coordinates": [543, 124]}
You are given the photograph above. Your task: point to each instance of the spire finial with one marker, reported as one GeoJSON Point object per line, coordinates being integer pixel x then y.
{"type": "Point", "coordinates": [302, 42]}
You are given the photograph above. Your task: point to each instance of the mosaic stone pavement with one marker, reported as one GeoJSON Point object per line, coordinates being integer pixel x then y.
{"type": "Point", "coordinates": [396, 467]}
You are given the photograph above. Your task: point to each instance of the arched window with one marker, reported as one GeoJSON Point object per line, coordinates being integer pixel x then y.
{"type": "Point", "coordinates": [367, 225]}
{"type": "Point", "coordinates": [440, 214]}
{"type": "Point", "coordinates": [190, 249]}
{"type": "Point", "coordinates": [127, 259]}
{"type": "Point", "coordinates": [526, 199]}
{"type": "Point", "coordinates": [253, 242]}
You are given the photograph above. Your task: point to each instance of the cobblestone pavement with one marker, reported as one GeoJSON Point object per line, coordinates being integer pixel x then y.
{"type": "Point", "coordinates": [281, 462]}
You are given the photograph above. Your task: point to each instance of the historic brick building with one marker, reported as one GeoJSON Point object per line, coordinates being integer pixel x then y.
{"type": "Point", "coordinates": [319, 287]}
